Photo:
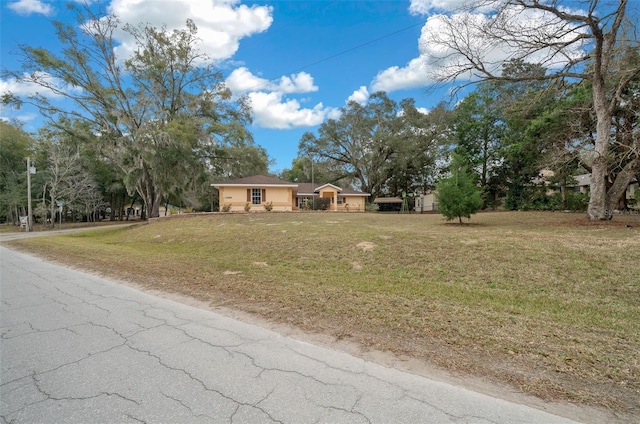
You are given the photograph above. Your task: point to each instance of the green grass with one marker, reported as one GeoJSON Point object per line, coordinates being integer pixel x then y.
{"type": "Point", "coordinates": [547, 302]}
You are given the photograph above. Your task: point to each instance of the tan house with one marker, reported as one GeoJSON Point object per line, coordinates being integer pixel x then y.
{"type": "Point", "coordinates": [260, 192]}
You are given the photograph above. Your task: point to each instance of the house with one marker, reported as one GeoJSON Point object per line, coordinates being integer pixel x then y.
{"type": "Point", "coordinates": [388, 204]}
{"type": "Point", "coordinates": [258, 192]}
{"type": "Point", "coordinates": [426, 202]}
{"type": "Point", "coordinates": [583, 182]}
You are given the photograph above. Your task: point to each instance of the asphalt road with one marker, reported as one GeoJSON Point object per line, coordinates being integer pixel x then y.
{"type": "Point", "coordinates": [79, 348]}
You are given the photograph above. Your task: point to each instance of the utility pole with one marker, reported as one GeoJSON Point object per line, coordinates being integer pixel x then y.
{"type": "Point", "coordinates": [29, 210]}
{"type": "Point", "coordinates": [313, 189]}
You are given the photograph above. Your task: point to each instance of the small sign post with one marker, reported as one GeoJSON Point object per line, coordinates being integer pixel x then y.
{"type": "Point", "coordinates": [60, 204]}
{"type": "Point", "coordinates": [24, 223]}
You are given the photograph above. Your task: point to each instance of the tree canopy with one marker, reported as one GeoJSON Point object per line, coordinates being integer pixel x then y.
{"type": "Point", "coordinates": [381, 146]}
{"type": "Point", "coordinates": [163, 116]}
{"type": "Point", "coordinates": [596, 44]}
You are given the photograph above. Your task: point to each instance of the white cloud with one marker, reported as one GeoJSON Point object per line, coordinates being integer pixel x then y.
{"type": "Point", "coordinates": [438, 40]}
{"type": "Point", "coordinates": [241, 80]}
{"type": "Point", "coordinates": [21, 89]}
{"type": "Point", "coordinates": [28, 7]}
{"type": "Point", "coordinates": [25, 117]}
{"type": "Point", "coordinates": [221, 23]}
{"type": "Point", "coordinates": [437, 57]}
{"type": "Point", "coordinates": [272, 110]}
{"type": "Point", "coordinates": [424, 7]}
{"type": "Point", "coordinates": [397, 78]}
{"type": "Point", "coordinates": [360, 96]}
{"type": "Point", "coordinates": [270, 107]}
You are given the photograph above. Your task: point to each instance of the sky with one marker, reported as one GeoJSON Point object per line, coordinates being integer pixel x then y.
{"type": "Point", "coordinates": [299, 62]}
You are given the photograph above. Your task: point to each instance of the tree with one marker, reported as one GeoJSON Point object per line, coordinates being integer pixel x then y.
{"type": "Point", "coordinates": [412, 167]}
{"type": "Point", "coordinates": [15, 146]}
{"type": "Point", "coordinates": [479, 130]}
{"type": "Point", "coordinates": [307, 170]}
{"type": "Point", "coordinates": [457, 195]}
{"type": "Point", "coordinates": [163, 115]}
{"type": "Point", "coordinates": [379, 146]}
{"type": "Point", "coordinates": [69, 184]}
{"type": "Point", "coordinates": [359, 144]}
{"type": "Point", "coordinates": [583, 44]}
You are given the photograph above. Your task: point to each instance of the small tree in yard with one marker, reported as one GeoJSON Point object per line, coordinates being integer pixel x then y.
{"type": "Point", "coordinates": [458, 195]}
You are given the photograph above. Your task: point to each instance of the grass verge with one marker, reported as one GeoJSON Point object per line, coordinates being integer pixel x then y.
{"type": "Point", "coordinates": [546, 302]}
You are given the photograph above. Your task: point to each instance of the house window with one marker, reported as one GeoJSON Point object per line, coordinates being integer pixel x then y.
{"type": "Point", "coordinates": [256, 196]}
{"type": "Point", "coordinates": [340, 200]}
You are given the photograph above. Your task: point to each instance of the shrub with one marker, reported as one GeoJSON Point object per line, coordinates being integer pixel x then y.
{"type": "Point", "coordinates": [577, 201]}
{"type": "Point", "coordinates": [226, 208]}
{"type": "Point", "coordinates": [322, 203]}
{"type": "Point", "coordinates": [371, 207]}
{"type": "Point", "coordinates": [247, 207]}
{"type": "Point", "coordinates": [268, 206]}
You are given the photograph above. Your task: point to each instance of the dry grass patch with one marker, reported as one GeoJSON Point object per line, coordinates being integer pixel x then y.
{"type": "Point", "coordinates": [549, 303]}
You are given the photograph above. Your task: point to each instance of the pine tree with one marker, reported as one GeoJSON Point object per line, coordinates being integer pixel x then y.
{"type": "Point", "coordinates": [457, 195]}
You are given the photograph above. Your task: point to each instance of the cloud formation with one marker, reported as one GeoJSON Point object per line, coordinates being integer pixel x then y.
{"type": "Point", "coordinates": [273, 110]}
{"type": "Point", "coordinates": [28, 7]}
{"type": "Point", "coordinates": [444, 33]}
{"type": "Point", "coordinates": [270, 106]}
{"type": "Point", "coordinates": [20, 88]}
{"type": "Point", "coordinates": [221, 23]}
{"type": "Point", "coordinates": [241, 80]}
{"type": "Point", "coordinates": [424, 7]}
{"type": "Point", "coordinates": [360, 96]}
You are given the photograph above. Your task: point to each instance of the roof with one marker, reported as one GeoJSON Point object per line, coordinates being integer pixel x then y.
{"type": "Point", "coordinates": [583, 180]}
{"type": "Point", "coordinates": [304, 189]}
{"type": "Point", "coordinates": [309, 189]}
{"type": "Point", "coordinates": [256, 180]}
{"type": "Point", "coordinates": [387, 200]}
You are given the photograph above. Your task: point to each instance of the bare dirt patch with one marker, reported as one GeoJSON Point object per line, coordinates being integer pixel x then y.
{"type": "Point", "coordinates": [366, 246]}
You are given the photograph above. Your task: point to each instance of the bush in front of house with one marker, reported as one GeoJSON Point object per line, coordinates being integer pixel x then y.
{"type": "Point", "coordinates": [322, 203]}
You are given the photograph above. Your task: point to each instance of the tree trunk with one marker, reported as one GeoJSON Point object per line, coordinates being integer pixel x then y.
{"type": "Point", "coordinates": [599, 204]}
{"type": "Point", "coordinates": [53, 212]}
{"type": "Point", "coordinates": [617, 193]}
{"type": "Point", "coordinates": [150, 194]}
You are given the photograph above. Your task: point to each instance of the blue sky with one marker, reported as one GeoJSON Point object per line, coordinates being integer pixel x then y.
{"type": "Point", "coordinates": [298, 61]}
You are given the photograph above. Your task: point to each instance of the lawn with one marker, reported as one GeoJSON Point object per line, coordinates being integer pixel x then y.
{"type": "Point", "coordinates": [546, 302]}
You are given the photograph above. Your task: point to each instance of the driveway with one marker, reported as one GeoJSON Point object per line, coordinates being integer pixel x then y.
{"type": "Point", "coordinates": [79, 348]}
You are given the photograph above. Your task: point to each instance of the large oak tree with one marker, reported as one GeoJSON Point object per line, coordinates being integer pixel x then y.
{"type": "Point", "coordinates": [163, 115]}
{"type": "Point", "coordinates": [582, 44]}
{"type": "Point", "coordinates": [381, 146]}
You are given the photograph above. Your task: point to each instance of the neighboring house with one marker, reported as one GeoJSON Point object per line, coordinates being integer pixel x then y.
{"type": "Point", "coordinates": [420, 203]}
{"type": "Point", "coordinates": [426, 202]}
{"type": "Point", "coordinates": [257, 192]}
{"type": "Point", "coordinates": [583, 183]}
{"type": "Point", "coordinates": [388, 204]}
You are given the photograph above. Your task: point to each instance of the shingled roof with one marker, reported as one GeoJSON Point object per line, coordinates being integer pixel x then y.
{"type": "Point", "coordinates": [264, 181]}
{"type": "Point", "coordinates": [256, 180]}
{"type": "Point", "coordinates": [309, 189]}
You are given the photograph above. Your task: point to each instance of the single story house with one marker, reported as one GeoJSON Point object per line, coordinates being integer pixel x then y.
{"type": "Point", "coordinates": [388, 204]}
{"type": "Point", "coordinates": [426, 202]}
{"type": "Point", "coordinates": [583, 182]}
{"type": "Point", "coordinates": [259, 192]}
